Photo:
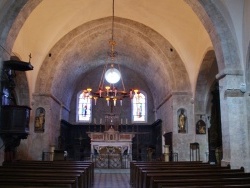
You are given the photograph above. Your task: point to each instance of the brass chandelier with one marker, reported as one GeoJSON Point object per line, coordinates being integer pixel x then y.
{"type": "Point", "coordinates": [112, 74]}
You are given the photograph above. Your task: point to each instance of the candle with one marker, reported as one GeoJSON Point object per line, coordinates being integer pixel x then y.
{"type": "Point", "coordinates": [121, 121]}
{"type": "Point", "coordinates": [100, 121]}
{"type": "Point", "coordinates": [107, 99]}
{"type": "Point", "coordinates": [131, 94]}
{"type": "Point", "coordinates": [94, 121]}
{"type": "Point", "coordinates": [126, 121]}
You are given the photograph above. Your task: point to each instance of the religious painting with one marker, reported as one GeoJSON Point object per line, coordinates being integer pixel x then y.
{"type": "Point", "coordinates": [200, 127]}
{"type": "Point", "coordinates": [39, 120]}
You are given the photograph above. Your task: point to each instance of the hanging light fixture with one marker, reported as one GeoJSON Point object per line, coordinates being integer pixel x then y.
{"type": "Point", "coordinates": [112, 74]}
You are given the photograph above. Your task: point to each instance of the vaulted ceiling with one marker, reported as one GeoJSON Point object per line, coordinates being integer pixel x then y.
{"type": "Point", "coordinates": [163, 41]}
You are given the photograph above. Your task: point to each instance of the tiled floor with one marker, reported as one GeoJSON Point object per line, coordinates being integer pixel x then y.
{"type": "Point", "coordinates": [111, 178]}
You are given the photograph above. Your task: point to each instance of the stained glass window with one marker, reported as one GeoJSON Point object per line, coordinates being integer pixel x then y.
{"type": "Point", "coordinates": [139, 108]}
{"type": "Point", "coordinates": [84, 108]}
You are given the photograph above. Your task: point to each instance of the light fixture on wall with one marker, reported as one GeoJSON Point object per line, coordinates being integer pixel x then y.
{"type": "Point", "coordinates": [112, 74]}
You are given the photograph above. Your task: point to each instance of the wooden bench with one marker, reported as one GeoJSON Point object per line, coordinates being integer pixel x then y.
{"type": "Point", "coordinates": [207, 186]}
{"type": "Point", "coordinates": [144, 179]}
{"type": "Point", "coordinates": [147, 175]}
{"type": "Point", "coordinates": [90, 165]}
{"type": "Point", "coordinates": [180, 163]}
{"type": "Point", "coordinates": [35, 182]}
{"type": "Point", "coordinates": [82, 180]}
{"type": "Point", "coordinates": [84, 169]}
{"type": "Point", "coordinates": [138, 175]}
{"type": "Point", "coordinates": [42, 175]}
{"type": "Point", "coordinates": [155, 179]}
{"type": "Point", "coordinates": [135, 165]}
{"type": "Point", "coordinates": [155, 174]}
{"type": "Point", "coordinates": [216, 182]}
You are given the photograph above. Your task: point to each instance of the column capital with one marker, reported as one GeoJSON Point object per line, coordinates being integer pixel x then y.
{"type": "Point", "coordinates": [225, 72]}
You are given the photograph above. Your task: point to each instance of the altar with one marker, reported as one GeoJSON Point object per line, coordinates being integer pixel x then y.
{"type": "Point", "coordinates": [111, 148]}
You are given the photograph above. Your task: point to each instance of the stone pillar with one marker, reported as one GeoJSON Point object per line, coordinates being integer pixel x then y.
{"type": "Point", "coordinates": [166, 153]}
{"type": "Point", "coordinates": [181, 141]}
{"type": "Point", "coordinates": [233, 120]}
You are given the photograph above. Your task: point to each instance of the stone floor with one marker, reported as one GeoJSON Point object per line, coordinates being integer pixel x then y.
{"type": "Point", "coordinates": [112, 178]}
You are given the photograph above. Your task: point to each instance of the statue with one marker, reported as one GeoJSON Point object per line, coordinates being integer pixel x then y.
{"type": "Point", "coordinates": [182, 122]}
{"type": "Point", "coordinates": [150, 152]}
{"type": "Point", "coordinates": [39, 120]}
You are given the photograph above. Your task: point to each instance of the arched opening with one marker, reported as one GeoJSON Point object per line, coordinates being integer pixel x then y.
{"type": "Point", "coordinates": [214, 131]}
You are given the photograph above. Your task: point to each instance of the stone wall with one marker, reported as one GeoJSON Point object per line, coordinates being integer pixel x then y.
{"type": "Point", "coordinates": [38, 142]}
{"type": "Point", "coordinates": [181, 141]}
{"type": "Point", "coordinates": [131, 80]}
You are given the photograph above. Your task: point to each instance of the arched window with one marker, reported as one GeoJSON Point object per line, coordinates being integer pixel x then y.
{"type": "Point", "coordinates": [139, 113]}
{"type": "Point", "coordinates": [84, 107]}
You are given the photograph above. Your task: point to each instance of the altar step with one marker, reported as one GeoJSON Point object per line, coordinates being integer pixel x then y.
{"type": "Point", "coordinates": [112, 178]}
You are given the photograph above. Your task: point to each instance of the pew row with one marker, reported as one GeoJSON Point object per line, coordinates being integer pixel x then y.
{"type": "Point", "coordinates": [36, 171]}
{"type": "Point", "coordinates": [169, 174]}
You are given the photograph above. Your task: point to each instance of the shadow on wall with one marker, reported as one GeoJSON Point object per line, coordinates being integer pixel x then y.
{"type": "Point", "coordinates": [1, 151]}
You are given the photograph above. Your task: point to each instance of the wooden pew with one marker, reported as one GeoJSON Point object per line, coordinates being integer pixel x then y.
{"type": "Point", "coordinates": [172, 171]}
{"type": "Point", "coordinates": [37, 182]}
{"type": "Point", "coordinates": [42, 175]}
{"type": "Point", "coordinates": [139, 176]}
{"type": "Point", "coordinates": [216, 182]}
{"type": "Point", "coordinates": [82, 180]}
{"type": "Point", "coordinates": [147, 174]}
{"type": "Point", "coordinates": [56, 167]}
{"type": "Point", "coordinates": [155, 179]}
{"type": "Point", "coordinates": [207, 186]}
{"type": "Point", "coordinates": [89, 164]}
{"type": "Point", "coordinates": [135, 165]}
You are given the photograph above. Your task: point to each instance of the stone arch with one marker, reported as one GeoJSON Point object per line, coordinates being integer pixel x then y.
{"type": "Point", "coordinates": [202, 106]}
{"type": "Point", "coordinates": [207, 11]}
{"type": "Point", "coordinates": [222, 36]}
{"type": "Point", "coordinates": [207, 73]}
{"type": "Point", "coordinates": [155, 59]}
{"type": "Point", "coordinates": [15, 15]}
